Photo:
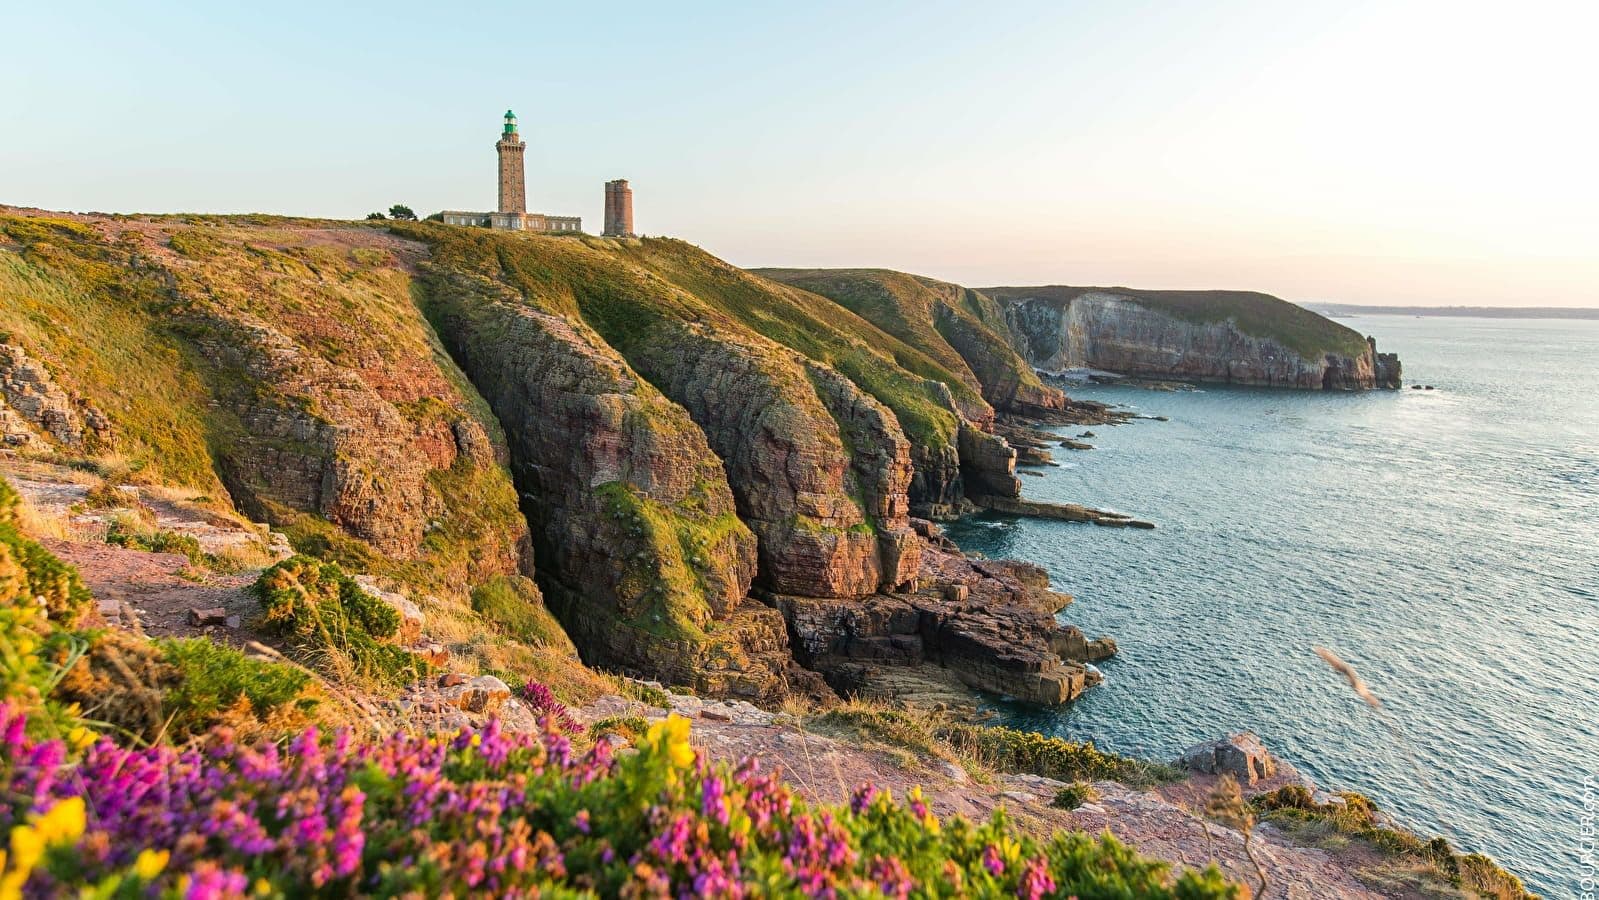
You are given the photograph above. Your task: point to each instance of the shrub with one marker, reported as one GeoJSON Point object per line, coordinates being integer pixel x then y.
{"type": "Point", "coordinates": [1028, 752]}
{"type": "Point", "coordinates": [120, 680]}
{"type": "Point", "coordinates": [490, 814]}
{"type": "Point", "coordinates": [540, 699]}
{"type": "Point", "coordinates": [630, 727]}
{"type": "Point", "coordinates": [219, 684]}
{"type": "Point", "coordinates": [334, 621]}
{"type": "Point", "coordinates": [120, 534]}
{"type": "Point", "coordinates": [1357, 816]}
{"type": "Point", "coordinates": [31, 576]}
{"type": "Point", "coordinates": [1075, 794]}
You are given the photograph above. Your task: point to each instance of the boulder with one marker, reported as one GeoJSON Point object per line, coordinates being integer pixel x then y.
{"type": "Point", "coordinates": [483, 694]}
{"type": "Point", "coordinates": [411, 617]}
{"type": "Point", "coordinates": [1240, 755]}
{"type": "Point", "coordinates": [200, 618]}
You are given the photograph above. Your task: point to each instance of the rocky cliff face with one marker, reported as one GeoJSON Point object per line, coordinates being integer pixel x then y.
{"type": "Point", "coordinates": [1181, 337]}
{"type": "Point", "coordinates": [36, 412]}
{"type": "Point", "coordinates": [639, 547]}
{"type": "Point", "coordinates": [709, 468]}
{"type": "Point", "coordinates": [288, 365]}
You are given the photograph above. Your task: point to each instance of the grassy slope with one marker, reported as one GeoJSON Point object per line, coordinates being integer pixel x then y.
{"type": "Point", "coordinates": [893, 301]}
{"type": "Point", "coordinates": [890, 369]}
{"type": "Point", "coordinates": [70, 298]}
{"type": "Point", "coordinates": [920, 312]}
{"type": "Point", "coordinates": [1259, 315]}
{"type": "Point", "coordinates": [111, 316]}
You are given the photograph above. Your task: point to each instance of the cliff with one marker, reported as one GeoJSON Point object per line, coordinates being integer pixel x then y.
{"type": "Point", "coordinates": [1230, 337]}
{"type": "Point", "coordinates": [935, 318]}
{"type": "Point", "coordinates": [689, 460]}
{"type": "Point", "coordinates": [508, 459]}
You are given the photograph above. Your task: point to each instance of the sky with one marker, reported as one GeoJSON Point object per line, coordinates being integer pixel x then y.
{"type": "Point", "coordinates": [1401, 152]}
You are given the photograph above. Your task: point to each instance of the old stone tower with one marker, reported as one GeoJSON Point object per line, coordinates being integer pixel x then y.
{"type": "Point", "coordinates": [513, 185]}
{"type": "Point", "coordinates": [618, 209]}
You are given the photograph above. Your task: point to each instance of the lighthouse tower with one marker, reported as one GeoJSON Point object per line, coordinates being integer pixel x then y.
{"type": "Point", "coordinates": [513, 180]}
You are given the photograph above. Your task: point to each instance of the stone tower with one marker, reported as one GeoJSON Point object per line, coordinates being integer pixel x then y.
{"type": "Point", "coordinates": [513, 183]}
{"type": "Point", "coordinates": [618, 209]}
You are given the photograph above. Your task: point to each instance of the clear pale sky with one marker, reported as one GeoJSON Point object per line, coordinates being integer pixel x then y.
{"type": "Point", "coordinates": [1410, 151]}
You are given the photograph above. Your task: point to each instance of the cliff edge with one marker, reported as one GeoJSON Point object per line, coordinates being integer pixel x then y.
{"type": "Point", "coordinates": [1228, 337]}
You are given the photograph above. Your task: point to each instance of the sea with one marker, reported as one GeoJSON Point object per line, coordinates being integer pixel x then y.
{"type": "Point", "coordinates": [1444, 542]}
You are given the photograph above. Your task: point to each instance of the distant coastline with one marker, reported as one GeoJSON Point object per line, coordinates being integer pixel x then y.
{"type": "Point", "coordinates": [1484, 312]}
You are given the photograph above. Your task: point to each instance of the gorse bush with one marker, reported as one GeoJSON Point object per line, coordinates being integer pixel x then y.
{"type": "Point", "coordinates": [218, 684]}
{"type": "Point", "coordinates": [1356, 815]}
{"type": "Point", "coordinates": [41, 599]}
{"type": "Point", "coordinates": [1010, 750]}
{"type": "Point", "coordinates": [31, 576]}
{"type": "Point", "coordinates": [485, 813]}
{"type": "Point", "coordinates": [334, 621]}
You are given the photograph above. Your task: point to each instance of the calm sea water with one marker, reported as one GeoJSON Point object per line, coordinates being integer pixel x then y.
{"type": "Point", "coordinates": [1444, 542]}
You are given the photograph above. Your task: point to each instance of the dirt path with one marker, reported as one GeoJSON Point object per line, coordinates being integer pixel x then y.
{"type": "Point", "coordinates": [153, 592]}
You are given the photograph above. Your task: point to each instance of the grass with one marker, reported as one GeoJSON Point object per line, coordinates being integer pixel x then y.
{"type": "Point", "coordinates": [511, 604]}
{"type": "Point", "coordinates": [937, 319]}
{"type": "Point", "coordinates": [1309, 334]}
{"type": "Point", "coordinates": [1028, 752]}
{"type": "Point", "coordinates": [102, 327]}
{"type": "Point", "coordinates": [919, 735]}
{"type": "Point", "coordinates": [218, 684]}
{"type": "Point", "coordinates": [1355, 817]}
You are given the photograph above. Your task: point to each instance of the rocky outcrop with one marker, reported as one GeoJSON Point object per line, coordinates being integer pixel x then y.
{"type": "Point", "coordinates": [36, 411]}
{"type": "Point", "coordinates": [990, 623]}
{"type": "Point", "coordinates": [317, 437]}
{"type": "Point", "coordinates": [1240, 755]}
{"type": "Point", "coordinates": [1008, 383]}
{"type": "Point", "coordinates": [639, 549]}
{"type": "Point", "coordinates": [1066, 512]}
{"type": "Point", "coordinates": [1226, 337]}
{"type": "Point", "coordinates": [988, 464]}
{"type": "Point", "coordinates": [819, 469]}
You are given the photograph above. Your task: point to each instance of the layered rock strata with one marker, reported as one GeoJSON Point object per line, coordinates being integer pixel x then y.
{"type": "Point", "coordinates": [640, 551]}
{"type": "Point", "coordinates": [1131, 334]}
{"type": "Point", "coordinates": [990, 623]}
{"type": "Point", "coordinates": [36, 411]}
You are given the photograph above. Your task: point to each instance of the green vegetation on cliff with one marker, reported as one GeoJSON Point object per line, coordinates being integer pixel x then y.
{"type": "Point", "coordinates": [1309, 334]}
{"type": "Point", "coordinates": [1351, 815]}
{"type": "Point", "coordinates": [78, 300]}
{"type": "Point", "coordinates": [962, 330]}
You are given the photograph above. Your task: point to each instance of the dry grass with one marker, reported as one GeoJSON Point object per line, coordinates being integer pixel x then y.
{"type": "Point", "coordinates": [911, 736]}
{"type": "Point", "coordinates": [40, 525]}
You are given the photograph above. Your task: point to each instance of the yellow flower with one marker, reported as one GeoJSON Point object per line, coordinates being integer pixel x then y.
{"type": "Point", "coordinates": [80, 738]}
{"type": "Point", "coordinates": [150, 864]}
{"type": "Point", "coordinates": [27, 846]}
{"type": "Point", "coordinates": [670, 736]}
{"type": "Point", "coordinates": [262, 887]}
{"type": "Point", "coordinates": [63, 824]}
